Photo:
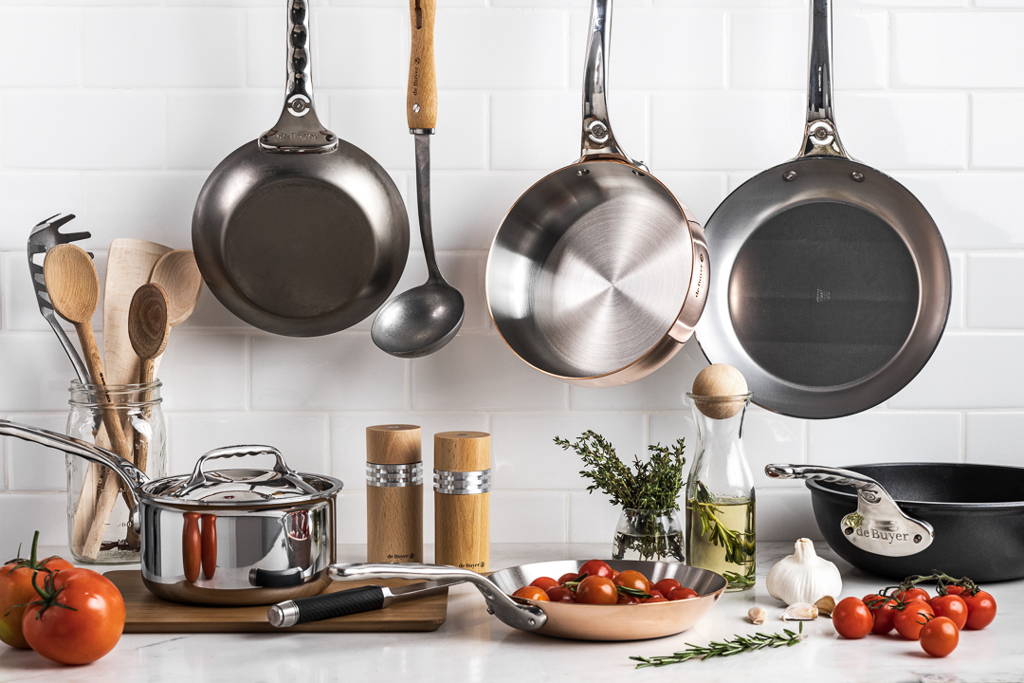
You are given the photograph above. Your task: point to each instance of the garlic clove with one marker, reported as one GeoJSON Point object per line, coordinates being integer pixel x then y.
{"type": "Point", "coordinates": [757, 615]}
{"type": "Point", "coordinates": [825, 605]}
{"type": "Point", "coordinates": [800, 611]}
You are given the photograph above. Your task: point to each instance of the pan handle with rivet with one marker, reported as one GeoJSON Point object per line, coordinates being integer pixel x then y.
{"type": "Point", "coordinates": [512, 613]}
{"type": "Point", "coordinates": [598, 139]}
{"type": "Point", "coordinates": [298, 129]}
{"type": "Point", "coordinates": [878, 525]}
{"type": "Point", "coordinates": [821, 137]}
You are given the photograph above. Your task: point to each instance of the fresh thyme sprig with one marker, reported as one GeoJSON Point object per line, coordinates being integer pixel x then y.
{"type": "Point", "coordinates": [739, 548]}
{"type": "Point", "coordinates": [653, 484]}
{"type": "Point", "coordinates": [738, 644]}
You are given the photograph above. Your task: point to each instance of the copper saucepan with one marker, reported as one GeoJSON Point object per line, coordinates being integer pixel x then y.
{"type": "Point", "coordinates": [567, 620]}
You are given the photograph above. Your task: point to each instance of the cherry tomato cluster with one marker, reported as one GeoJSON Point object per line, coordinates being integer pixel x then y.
{"type": "Point", "coordinates": [65, 613]}
{"type": "Point", "coordinates": [935, 621]}
{"type": "Point", "coordinates": [597, 583]}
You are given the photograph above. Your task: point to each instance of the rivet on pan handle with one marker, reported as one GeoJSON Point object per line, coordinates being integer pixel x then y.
{"type": "Point", "coordinates": [598, 139]}
{"type": "Point", "coordinates": [821, 137]}
{"type": "Point", "coordinates": [878, 526]}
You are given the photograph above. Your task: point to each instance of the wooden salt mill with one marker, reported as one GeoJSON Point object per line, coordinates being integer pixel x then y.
{"type": "Point", "coordinates": [394, 494]}
{"type": "Point", "coordinates": [462, 484]}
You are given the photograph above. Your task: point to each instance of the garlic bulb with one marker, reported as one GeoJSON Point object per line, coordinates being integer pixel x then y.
{"type": "Point", "coordinates": [803, 576]}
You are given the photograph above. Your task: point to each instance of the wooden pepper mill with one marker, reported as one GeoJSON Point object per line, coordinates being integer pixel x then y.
{"type": "Point", "coordinates": [394, 494]}
{"type": "Point", "coordinates": [462, 484]}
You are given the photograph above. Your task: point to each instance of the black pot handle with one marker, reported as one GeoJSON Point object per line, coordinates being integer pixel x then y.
{"type": "Point", "coordinates": [327, 606]}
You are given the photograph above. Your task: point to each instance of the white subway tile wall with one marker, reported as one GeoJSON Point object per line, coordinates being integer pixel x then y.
{"type": "Point", "coordinates": [117, 109]}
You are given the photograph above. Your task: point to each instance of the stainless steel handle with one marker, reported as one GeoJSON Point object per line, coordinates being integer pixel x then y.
{"type": "Point", "coordinates": [199, 477]}
{"type": "Point", "coordinates": [524, 617]}
{"type": "Point", "coordinates": [132, 477]}
{"type": "Point", "coordinates": [821, 137]}
{"type": "Point", "coordinates": [832, 475]}
{"type": "Point", "coordinates": [598, 139]}
{"type": "Point", "coordinates": [299, 128]}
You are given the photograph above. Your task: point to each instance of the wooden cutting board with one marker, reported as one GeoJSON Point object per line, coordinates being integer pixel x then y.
{"type": "Point", "coordinates": [149, 614]}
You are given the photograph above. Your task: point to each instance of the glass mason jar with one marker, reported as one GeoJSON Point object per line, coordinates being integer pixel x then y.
{"type": "Point", "coordinates": [648, 535]}
{"type": "Point", "coordinates": [98, 510]}
{"type": "Point", "coordinates": [720, 501]}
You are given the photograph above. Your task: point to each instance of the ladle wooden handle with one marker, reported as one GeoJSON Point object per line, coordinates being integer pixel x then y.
{"type": "Point", "coordinates": [421, 101]}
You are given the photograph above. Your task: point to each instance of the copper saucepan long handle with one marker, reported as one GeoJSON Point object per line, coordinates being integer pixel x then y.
{"type": "Point", "coordinates": [516, 615]}
{"type": "Point", "coordinates": [132, 477]}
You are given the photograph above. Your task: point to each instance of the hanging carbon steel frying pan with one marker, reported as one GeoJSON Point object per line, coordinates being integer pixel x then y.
{"type": "Point", "coordinates": [300, 233]}
{"type": "Point", "coordinates": [831, 285]}
{"type": "Point", "coordinates": [597, 275]}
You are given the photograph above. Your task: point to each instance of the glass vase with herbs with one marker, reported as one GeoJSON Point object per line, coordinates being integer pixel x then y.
{"type": "Point", "coordinates": [649, 527]}
{"type": "Point", "coordinates": [720, 503]}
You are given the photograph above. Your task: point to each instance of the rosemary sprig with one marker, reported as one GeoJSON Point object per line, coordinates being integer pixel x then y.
{"type": "Point", "coordinates": [739, 547]}
{"type": "Point", "coordinates": [738, 644]}
{"type": "Point", "coordinates": [737, 580]}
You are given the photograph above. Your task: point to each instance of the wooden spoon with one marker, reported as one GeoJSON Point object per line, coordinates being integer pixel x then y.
{"type": "Point", "coordinates": [178, 274]}
{"type": "Point", "coordinates": [148, 329]}
{"type": "Point", "coordinates": [74, 291]}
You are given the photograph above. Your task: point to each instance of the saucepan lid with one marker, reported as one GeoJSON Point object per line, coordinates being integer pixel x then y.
{"type": "Point", "coordinates": [246, 486]}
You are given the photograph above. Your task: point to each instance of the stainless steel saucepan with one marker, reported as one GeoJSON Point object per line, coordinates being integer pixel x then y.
{"type": "Point", "coordinates": [227, 536]}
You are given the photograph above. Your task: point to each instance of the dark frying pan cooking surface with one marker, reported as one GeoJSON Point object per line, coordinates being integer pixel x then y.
{"type": "Point", "coordinates": [821, 281]}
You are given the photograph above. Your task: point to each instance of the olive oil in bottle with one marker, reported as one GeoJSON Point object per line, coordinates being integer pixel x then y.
{"type": "Point", "coordinates": [720, 505]}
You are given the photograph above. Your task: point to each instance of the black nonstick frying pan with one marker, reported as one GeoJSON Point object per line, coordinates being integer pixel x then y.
{"type": "Point", "coordinates": [300, 233]}
{"type": "Point", "coordinates": [898, 519]}
{"type": "Point", "coordinates": [831, 286]}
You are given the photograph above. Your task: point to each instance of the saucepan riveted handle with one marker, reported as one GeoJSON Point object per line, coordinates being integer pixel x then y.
{"type": "Point", "coordinates": [199, 477]}
{"type": "Point", "coordinates": [821, 137]}
{"type": "Point", "coordinates": [879, 525]}
{"type": "Point", "coordinates": [299, 128]}
{"type": "Point", "coordinates": [132, 477]}
{"type": "Point", "coordinates": [516, 615]}
{"type": "Point", "coordinates": [598, 139]}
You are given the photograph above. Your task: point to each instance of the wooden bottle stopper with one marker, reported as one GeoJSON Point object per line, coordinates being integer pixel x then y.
{"type": "Point", "coordinates": [394, 494]}
{"type": "Point", "coordinates": [720, 391]}
{"type": "Point", "coordinates": [462, 484]}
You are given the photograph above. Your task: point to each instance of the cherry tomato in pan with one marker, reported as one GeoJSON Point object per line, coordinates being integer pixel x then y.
{"type": "Point", "coordinates": [882, 609]}
{"type": "Point", "coordinates": [633, 579]}
{"type": "Point", "coordinates": [625, 599]}
{"type": "Point", "coordinates": [544, 582]}
{"type": "Point", "coordinates": [531, 593]}
{"type": "Point", "coordinates": [939, 636]}
{"type": "Point", "coordinates": [852, 618]}
{"type": "Point", "coordinates": [597, 568]}
{"type": "Point", "coordinates": [568, 576]}
{"type": "Point", "coordinates": [911, 619]}
{"type": "Point", "coordinates": [952, 606]}
{"type": "Point", "coordinates": [981, 609]}
{"type": "Point", "coordinates": [681, 593]}
{"type": "Point", "coordinates": [560, 594]}
{"type": "Point", "coordinates": [597, 590]}
{"type": "Point", "coordinates": [665, 586]}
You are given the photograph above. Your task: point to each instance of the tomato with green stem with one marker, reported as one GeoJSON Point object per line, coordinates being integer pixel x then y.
{"type": "Point", "coordinates": [16, 591]}
{"type": "Point", "coordinates": [951, 606]}
{"type": "Point", "coordinates": [940, 636]}
{"type": "Point", "coordinates": [911, 617]}
{"type": "Point", "coordinates": [882, 611]}
{"type": "Point", "coordinates": [633, 580]}
{"type": "Point", "coordinates": [981, 609]}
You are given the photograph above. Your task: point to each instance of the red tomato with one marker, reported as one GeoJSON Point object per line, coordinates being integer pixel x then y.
{"type": "Point", "coordinates": [16, 591]}
{"type": "Point", "coordinates": [597, 590]}
{"type": "Point", "coordinates": [940, 636]}
{"type": "Point", "coordinates": [656, 597]}
{"type": "Point", "coordinates": [568, 576]}
{"type": "Point", "coordinates": [531, 593]}
{"type": "Point", "coordinates": [952, 606]}
{"type": "Point", "coordinates": [625, 599]}
{"type": "Point", "coordinates": [560, 594]}
{"type": "Point", "coordinates": [665, 586]}
{"type": "Point", "coordinates": [882, 611]}
{"type": "Point", "coordinates": [911, 619]}
{"type": "Point", "coordinates": [79, 620]}
{"type": "Point", "coordinates": [981, 609]}
{"type": "Point", "coordinates": [912, 594]}
{"type": "Point", "coordinates": [681, 593]}
{"type": "Point", "coordinates": [954, 590]}
{"type": "Point", "coordinates": [852, 618]}
{"type": "Point", "coordinates": [633, 579]}
{"type": "Point", "coordinates": [597, 568]}
{"type": "Point", "coordinates": [544, 582]}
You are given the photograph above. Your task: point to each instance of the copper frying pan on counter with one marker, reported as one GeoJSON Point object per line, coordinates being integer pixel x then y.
{"type": "Point", "coordinates": [832, 285]}
{"type": "Point", "coordinates": [597, 275]}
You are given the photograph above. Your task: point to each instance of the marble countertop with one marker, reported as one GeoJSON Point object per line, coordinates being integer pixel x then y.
{"type": "Point", "coordinates": [473, 646]}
